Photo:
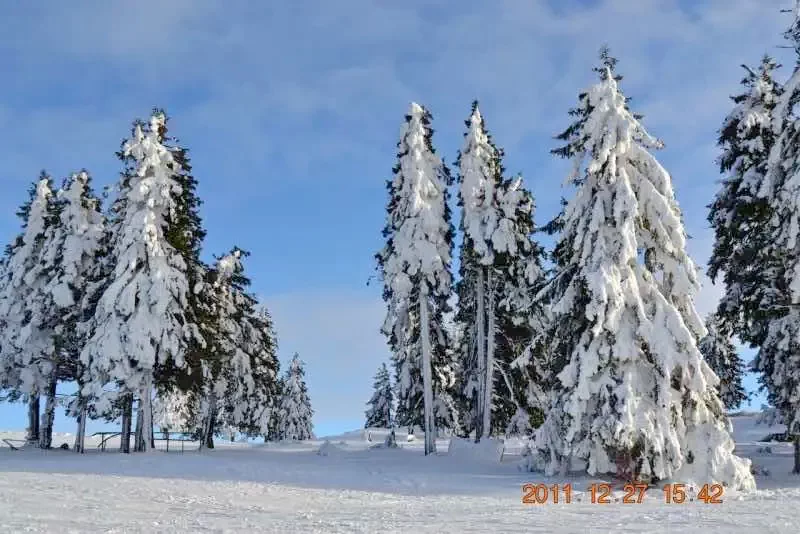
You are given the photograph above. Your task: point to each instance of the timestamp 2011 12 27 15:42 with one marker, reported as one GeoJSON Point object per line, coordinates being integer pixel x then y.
{"type": "Point", "coordinates": [602, 493]}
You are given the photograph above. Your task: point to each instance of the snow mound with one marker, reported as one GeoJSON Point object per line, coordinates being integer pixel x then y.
{"type": "Point", "coordinates": [328, 449]}
{"type": "Point", "coordinates": [487, 451]}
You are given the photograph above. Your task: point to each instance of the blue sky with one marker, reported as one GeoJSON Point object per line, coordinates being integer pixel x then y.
{"type": "Point", "coordinates": [292, 110]}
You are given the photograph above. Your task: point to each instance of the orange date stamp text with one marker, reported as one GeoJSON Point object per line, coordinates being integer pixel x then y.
{"type": "Point", "coordinates": [602, 493]}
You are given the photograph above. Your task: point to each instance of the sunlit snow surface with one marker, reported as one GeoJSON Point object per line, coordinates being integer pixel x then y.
{"type": "Point", "coordinates": [352, 488]}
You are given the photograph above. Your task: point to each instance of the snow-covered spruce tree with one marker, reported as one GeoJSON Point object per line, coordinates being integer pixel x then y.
{"type": "Point", "coordinates": [720, 354]}
{"type": "Point", "coordinates": [28, 344]}
{"type": "Point", "coordinates": [44, 323]}
{"type": "Point", "coordinates": [243, 381]}
{"type": "Point", "coordinates": [500, 265]}
{"type": "Point", "coordinates": [415, 268]}
{"type": "Point", "coordinates": [636, 397]}
{"type": "Point", "coordinates": [264, 368]}
{"type": "Point", "coordinates": [379, 414]}
{"type": "Point", "coordinates": [295, 404]}
{"type": "Point", "coordinates": [480, 175]}
{"type": "Point", "coordinates": [186, 234]}
{"type": "Point", "coordinates": [144, 319]}
{"type": "Point", "coordinates": [75, 249]}
{"type": "Point", "coordinates": [521, 318]}
{"type": "Point", "coordinates": [776, 360]}
{"type": "Point", "coordinates": [739, 215]}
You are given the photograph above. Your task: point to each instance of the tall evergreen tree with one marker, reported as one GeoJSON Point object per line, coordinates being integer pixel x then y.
{"type": "Point", "coordinates": [296, 405]}
{"type": "Point", "coordinates": [777, 360]}
{"type": "Point", "coordinates": [73, 250]}
{"type": "Point", "coordinates": [521, 317]}
{"type": "Point", "coordinates": [480, 175]}
{"type": "Point", "coordinates": [500, 265]}
{"type": "Point", "coordinates": [28, 343]}
{"type": "Point", "coordinates": [720, 354]}
{"type": "Point", "coordinates": [635, 396]}
{"type": "Point", "coordinates": [415, 268]}
{"type": "Point", "coordinates": [739, 215]}
{"type": "Point", "coordinates": [380, 404]}
{"type": "Point", "coordinates": [144, 319]}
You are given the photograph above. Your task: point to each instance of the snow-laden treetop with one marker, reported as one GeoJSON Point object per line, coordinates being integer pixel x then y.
{"type": "Point", "coordinates": [230, 264]}
{"type": "Point", "coordinates": [23, 258]}
{"type": "Point", "coordinates": [82, 227]}
{"type": "Point", "coordinates": [480, 176]}
{"type": "Point", "coordinates": [623, 181]}
{"type": "Point", "coordinates": [417, 219]}
{"type": "Point", "coordinates": [156, 189]}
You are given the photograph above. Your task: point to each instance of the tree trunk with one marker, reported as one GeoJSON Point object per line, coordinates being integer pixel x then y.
{"type": "Point", "coordinates": [796, 469]}
{"type": "Point", "coordinates": [80, 434]}
{"type": "Point", "coordinates": [427, 376]}
{"type": "Point", "coordinates": [138, 435]}
{"type": "Point", "coordinates": [207, 439]}
{"type": "Point", "coordinates": [480, 326]}
{"type": "Point", "coordinates": [33, 419]}
{"type": "Point", "coordinates": [144, 423]}
{"type": "Point", "coordinates": [127, 415]}
{"type": "Point", "coordinates": [488, 383]}
{"type": "Point", "coordinates": [46, 429]}
{"type": "Point", "coordinates": [152, 431]}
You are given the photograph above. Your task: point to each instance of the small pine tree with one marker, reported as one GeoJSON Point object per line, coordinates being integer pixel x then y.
{"type": "Point", "coordinates": [720, 354]}
{"type": "Point", "coordinates": [379, 413]}
{"type": "Point", "coordinates": [296, 405]}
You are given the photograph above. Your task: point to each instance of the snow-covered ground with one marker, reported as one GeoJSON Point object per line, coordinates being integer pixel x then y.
{"type": "Point", "coordinates": [352, 488]}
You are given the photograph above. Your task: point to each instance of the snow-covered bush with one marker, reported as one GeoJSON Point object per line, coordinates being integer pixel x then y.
{"type": "Point", "coordinates": [488, 450]}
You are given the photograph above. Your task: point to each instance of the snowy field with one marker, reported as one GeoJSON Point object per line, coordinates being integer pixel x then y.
{"type": "Point", "coordinates": [353, 488]}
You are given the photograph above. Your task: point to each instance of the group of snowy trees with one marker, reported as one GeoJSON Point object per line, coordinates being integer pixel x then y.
{"type": "Point", "coordinates": [120, 305]}
{"type": "Point", "coordinates": [287, 417]}
{"type": "Point", "coordinates": [484, 388]}
{"type": "Point", "coordinates": [595, 349]}
{"type": "Point", "coordinates": [756, 219]}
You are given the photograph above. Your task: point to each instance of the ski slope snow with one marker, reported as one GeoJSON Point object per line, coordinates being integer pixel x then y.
{"type": "Point", "coordinates": [355, 486]}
